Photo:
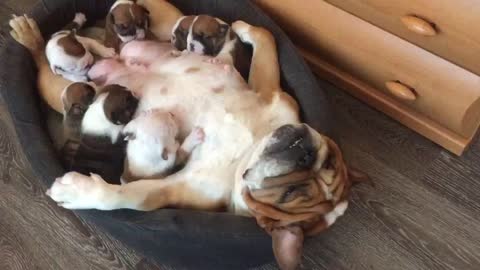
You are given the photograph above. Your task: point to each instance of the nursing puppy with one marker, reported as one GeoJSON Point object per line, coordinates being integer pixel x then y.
{"type": "Point", "coordinates": [113, 108]}
{"type": "Point", "coordinates": [70, 55]}
{"type": "Point", "coordinates": [126, 21]}
{"type": "Point", "coordinates": [76, 98]}
{"type": "Point", "coordinates": [153, 150]}
{"type": "Point", "coordinates": [100, 149]}
{"type": "Point", "coordinates": [211, 36]}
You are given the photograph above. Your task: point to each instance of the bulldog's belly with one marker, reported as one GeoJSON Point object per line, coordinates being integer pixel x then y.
{"type": "Point", "coordinates": [212, 96]}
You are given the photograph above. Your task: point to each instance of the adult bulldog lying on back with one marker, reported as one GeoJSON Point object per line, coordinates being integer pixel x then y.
{"type": "Point", "coordinates": [257, 158]}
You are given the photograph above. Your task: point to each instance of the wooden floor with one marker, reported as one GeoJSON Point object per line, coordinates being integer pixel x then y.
{"type": "Point", "coordinates": [424, 212]}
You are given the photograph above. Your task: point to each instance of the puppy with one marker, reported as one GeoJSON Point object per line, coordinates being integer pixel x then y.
{"type": "Point", "coordinates": [126, 21]}
{"type": "Point", "coordinates": [76, 99]}
{"type": "Point", "coordinates": [96, 146]}
{"type": "Point", "coordinates": [113, 108]}
{"type": "Point", "coordinates": [70, 55]}
{"type": "Point", "coordinates": [153, 150]}
{"type": "Point", "coordinates": [211, 36]}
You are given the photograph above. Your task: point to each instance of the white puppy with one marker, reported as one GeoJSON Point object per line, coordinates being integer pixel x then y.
{"type": "Point", "coordinates": [70, 55]}
{"type": "Point", "coordinates": [153, 150]}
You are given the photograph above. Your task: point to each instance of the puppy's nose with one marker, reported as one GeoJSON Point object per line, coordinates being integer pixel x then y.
{"type": "Point", "coordinates": [192, 47]}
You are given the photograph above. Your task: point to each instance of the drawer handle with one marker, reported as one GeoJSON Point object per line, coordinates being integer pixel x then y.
{"type": "Point", "coordinates": [401, 91]}
{"type": "Point", "coordinates": [419, 25]}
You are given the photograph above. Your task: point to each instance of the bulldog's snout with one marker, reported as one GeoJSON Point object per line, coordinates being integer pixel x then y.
{"type": "Point", "coordinates": [290, 148]}
{"type": "Point", "coordinates": [292, 143]}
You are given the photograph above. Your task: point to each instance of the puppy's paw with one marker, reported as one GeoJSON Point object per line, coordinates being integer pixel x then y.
{"type": "Point", "coordinates": [25, 31]}
{"type": "Point", "coordinates": [109, 53]}
{"type": "Point", "coordinates": [197, 136]}
{"type": "Point", "coordinates": [80, 19]}
{"type": "Point", "coordinates": [77, 191]}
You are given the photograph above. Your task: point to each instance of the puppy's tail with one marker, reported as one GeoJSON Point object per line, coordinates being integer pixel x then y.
{"type": "Point", "coordinates": [77, 23]}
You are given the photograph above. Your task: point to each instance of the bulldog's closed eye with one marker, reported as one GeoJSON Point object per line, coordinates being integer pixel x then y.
{"type": "Point", "coordinates": [291, 193]}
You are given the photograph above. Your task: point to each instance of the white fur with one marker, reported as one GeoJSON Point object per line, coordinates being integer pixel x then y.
{"type": "Point", "coordinates": [153, 133]}
{"type": "Point", "coordinates": [337, 212]}
{"type": "Point", "coordinates": [96, 123]}
{"type": "Point", "coordinates": [80, 19]}
{"type": "Point", "coordinates": [74, 68]}
{"type": "Point", "coordinates": [121, 2]}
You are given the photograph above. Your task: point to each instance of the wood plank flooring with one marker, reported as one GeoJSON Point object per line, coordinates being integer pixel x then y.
{"type": "Point", "coordinates": [423, 213]}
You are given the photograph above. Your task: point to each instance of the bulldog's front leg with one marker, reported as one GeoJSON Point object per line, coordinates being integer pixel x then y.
{"type": "Point", "coordinates": [77, 191]}
{"type": "Point", "coordinates": [25, 31]}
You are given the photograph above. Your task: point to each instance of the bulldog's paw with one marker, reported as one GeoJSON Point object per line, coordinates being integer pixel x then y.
{"type": "Point", "coordinates": [242, 29]}
{"type": "Point", "coordinates": [25, 31]}
{"type": "Point", "coordinates": [251, 34]}
{"type": "Point", "coordinates": [78, 191]}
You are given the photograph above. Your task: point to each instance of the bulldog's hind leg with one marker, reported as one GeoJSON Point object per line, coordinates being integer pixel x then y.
{"type": "Point", "coordinates": [264, 70]}
{"type": "Point", "coordinates": [77, 191]}
{"type": "Point", "coordinates": [25, 31]}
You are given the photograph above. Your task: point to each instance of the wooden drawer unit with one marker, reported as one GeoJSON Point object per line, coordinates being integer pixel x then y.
{"type": "Point", "coordinates": [455, 35]}
{"type": "Point", "coordinates": [423, 91]}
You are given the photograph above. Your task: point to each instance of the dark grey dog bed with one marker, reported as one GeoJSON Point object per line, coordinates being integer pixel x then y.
{"type": "Point", "coordinates": [191, 239]}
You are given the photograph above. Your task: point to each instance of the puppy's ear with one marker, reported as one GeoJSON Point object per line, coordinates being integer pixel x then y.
{"type": "Point", "coordinates": [165, 154]}
{"type": "Point", "coordinates": [111, 38]}
{"type": "Point", "coordinates": [223, 29]}
{"type": "Point", "coordinates": [65, 102]}
{"type": "Point", "coordinates": [288, 247]}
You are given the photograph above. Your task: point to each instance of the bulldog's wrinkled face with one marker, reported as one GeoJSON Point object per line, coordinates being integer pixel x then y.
{"type": "Point", "coordinates": [282, 170]}
{"type": "Point", "coordinates": [201, 34]}
{"type": "Point", "coordinates": [119, 105]}
{"type": "Point", "coordinates": [129, 20]}
{"type": "Point", "coordinates": [76, 99]}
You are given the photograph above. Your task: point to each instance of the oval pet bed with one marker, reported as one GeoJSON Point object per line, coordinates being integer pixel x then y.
{"type": "Point", "coordinates": [192, 239]}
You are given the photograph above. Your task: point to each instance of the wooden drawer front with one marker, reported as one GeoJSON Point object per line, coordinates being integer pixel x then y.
{"type": "Point", "coordinates": [455, 22]}
{"type": "Point", "coordinates": [443, 91]}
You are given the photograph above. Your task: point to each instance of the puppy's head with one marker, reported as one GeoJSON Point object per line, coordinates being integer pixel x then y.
{"type": "Point", "coordinates": [202, 34]}
{"type": "Point", "coordinates": [180, 32]}
{"type": "Point", "coordinates": [154, 127]}
{"type": "Point", "coordinates": [296, 184]}
{"type": "Point", "coordinates": [76, 99]}
{"type": "Point", "coordinates": [128, 20]}
{"type": "Point", "coordinates": [67, 55]}
{"type": "Point", "coordinates": [119, 105]}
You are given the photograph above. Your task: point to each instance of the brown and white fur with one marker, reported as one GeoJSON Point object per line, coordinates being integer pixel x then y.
{"type": "Point", "coordinates": [153, 149]}
{"type": "Point", "coordinates": [243, 134]}
{"type": "Point", "coordinates": [125, 22]}
{"type": "Point", "coordinates": [71, 55]}
{"type": "Point", "coordinates": [113, 108]}
{"type": "Point", "coordinates": [211, 36]}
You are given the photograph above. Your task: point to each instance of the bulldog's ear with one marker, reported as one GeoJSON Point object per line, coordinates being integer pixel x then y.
{"type": "Point", "coordinates": [288, 247]}
{"type": "Point", "coordinates": [358, 177]}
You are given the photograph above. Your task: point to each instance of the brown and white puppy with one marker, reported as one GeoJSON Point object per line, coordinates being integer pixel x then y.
{"type": "Point", "coordinates": [76, 99]}
{"type": "Point", "coordinates": [153, 149]}
{"type": "Point", "coordinates": [126, 21]}
{"type": "Point", "coordinates": [211, 36]}
{"type": "Point", "coordinates": [70, 55]}
{"type": "Point", "coordinates": [113, 108]}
